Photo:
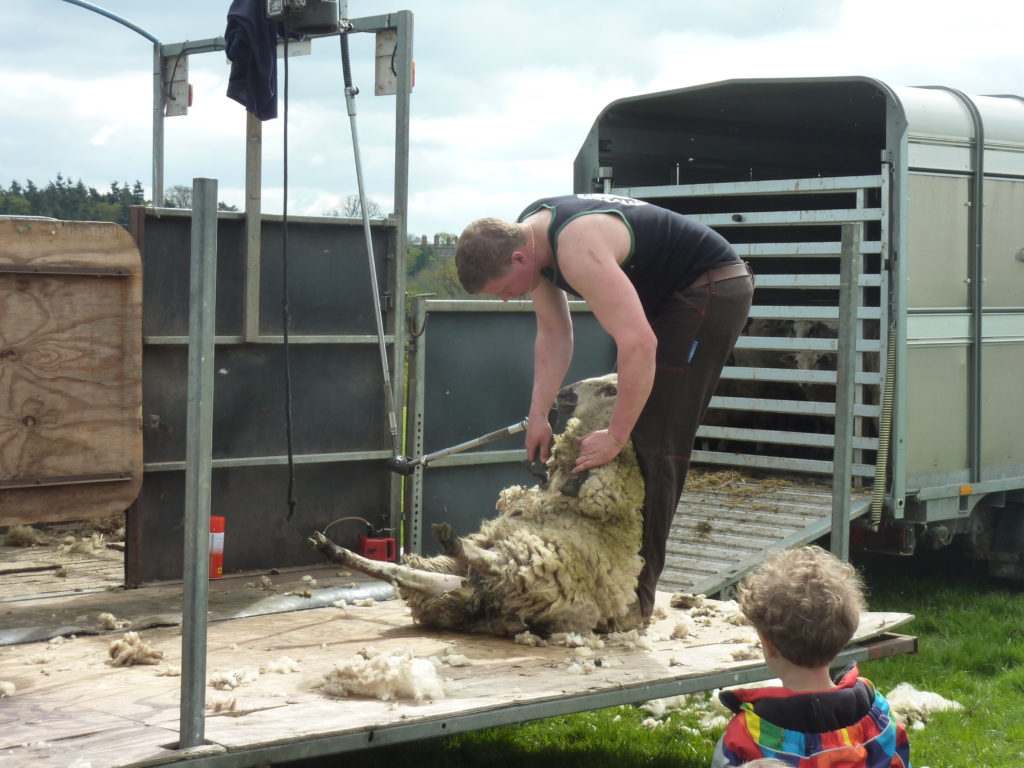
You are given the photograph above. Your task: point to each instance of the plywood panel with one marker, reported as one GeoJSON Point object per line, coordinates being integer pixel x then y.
{"type": "Point", "coordinates": [70, 370]}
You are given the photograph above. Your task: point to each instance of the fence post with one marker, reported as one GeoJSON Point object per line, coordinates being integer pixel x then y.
{"type": "Point", "coordinates": [198, 461]}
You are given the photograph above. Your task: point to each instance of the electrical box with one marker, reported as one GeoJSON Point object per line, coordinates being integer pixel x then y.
{"type": "Point", "coordinates": [177, 92]}
{"type": "Point", "coordinates": [309, 17]}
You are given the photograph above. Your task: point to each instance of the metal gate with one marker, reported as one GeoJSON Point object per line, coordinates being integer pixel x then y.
{"type": "Point", "coordinates": [776, 406]}
{"type": "Point", "coordinates": [340, 427]}
{"type": "Point", "coordinates": [470, 372]}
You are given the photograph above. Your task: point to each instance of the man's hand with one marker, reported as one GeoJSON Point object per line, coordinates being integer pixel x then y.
{"type": "Point", "coordinates": [596, 449]}
{"type": "Point", "coordinates": [538, 439]}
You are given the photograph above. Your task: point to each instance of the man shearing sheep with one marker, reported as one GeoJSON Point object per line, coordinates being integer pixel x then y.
{"type": "Point", "coordinates": [670, 291]}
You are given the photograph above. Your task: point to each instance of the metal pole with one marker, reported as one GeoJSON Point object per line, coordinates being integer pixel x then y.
{"type": "Point", "coordinates": [253, 225]}
{"type": "Point", "coordinates": [158, 126]}
{"type": "Point", "coordinates": [389, 399]}
{"type": "Point", "coordinates": [114, 17]}
{"type": "Point", "coordinates": [198, 455]}
{"type": "Point", "coordinates": [846, 369]}
{"type": "Point", "coordinates": [403, 22]}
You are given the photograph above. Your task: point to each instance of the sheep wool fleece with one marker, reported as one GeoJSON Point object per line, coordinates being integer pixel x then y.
{"type": "Point", "coordinates": [849, 726]}
{"type": "Point", "coordinates": [696, 328]}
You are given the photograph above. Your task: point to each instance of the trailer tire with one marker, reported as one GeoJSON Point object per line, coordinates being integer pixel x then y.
{"type": "Point", "coordinates": [1006, 559]}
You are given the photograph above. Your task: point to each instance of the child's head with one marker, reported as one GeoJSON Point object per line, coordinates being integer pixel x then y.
{"type": "Point", "coordinates": [806, 603]}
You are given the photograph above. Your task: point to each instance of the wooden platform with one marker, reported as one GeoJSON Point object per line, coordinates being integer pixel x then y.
{"type": "Point", "coordinates": [69, 703]}
{"type": "Point", "coordinates": [727, 520]}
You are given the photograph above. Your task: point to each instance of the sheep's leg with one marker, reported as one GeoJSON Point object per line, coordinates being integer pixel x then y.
{"type": "Point", "coordinates": [466, 552]}
{"type": "Point", "coordinates": [426, 582]}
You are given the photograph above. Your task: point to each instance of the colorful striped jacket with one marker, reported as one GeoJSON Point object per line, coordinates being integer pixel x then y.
{"type": "Point", "coordinates": [849, 726]}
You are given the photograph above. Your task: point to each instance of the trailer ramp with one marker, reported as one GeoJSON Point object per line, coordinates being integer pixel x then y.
{"type": "Point", "coordinates": [726, 522]}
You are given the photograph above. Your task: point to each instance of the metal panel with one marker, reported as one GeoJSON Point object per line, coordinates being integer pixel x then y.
{"type": "Point", "coordinates": [937, 265]}
{"type": "Point", "coordinates": [478, 362]}
{"type": "Point", "coordinates": [937, 397]}
{"type": "Point", "coordinates": [1002, 397]}
{"type": "Point", "coordinates": [1004, 244]}
{"type": "Point", "coordinates": [339, 422]}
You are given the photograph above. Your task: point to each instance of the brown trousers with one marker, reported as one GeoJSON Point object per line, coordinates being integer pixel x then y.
{"type": "Point", "coordinates": [696, 329]}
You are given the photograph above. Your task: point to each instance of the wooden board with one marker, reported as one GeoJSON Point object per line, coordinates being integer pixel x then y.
{"type": "Point", "coordinates": [69, 701]}
{"type": "Point", "coordinates": [70, 370]}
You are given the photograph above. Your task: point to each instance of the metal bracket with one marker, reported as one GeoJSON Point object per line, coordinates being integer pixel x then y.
{"type": "Point", "coordinates": [41, 482]}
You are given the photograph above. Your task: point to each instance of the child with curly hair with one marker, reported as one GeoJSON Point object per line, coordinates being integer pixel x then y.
{"type": "Point", "coordinates": [805, 605]}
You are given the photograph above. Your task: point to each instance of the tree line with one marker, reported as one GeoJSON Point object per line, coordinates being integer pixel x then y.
{"type": "Point", "coordinates": [70, 200]}
{"type": "Point", "coordinates": [430, 263]}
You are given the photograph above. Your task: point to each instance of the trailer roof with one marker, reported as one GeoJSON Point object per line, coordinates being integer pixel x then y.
{"type": "Point", "coordinates": [861, 110]}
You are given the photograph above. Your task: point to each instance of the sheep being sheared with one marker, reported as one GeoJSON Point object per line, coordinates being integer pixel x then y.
{"type": "Point", "coordinates": [559, 557]}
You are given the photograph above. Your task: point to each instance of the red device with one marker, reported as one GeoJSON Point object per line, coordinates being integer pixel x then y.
{"type": "Point", "coordinates": [377, 548]}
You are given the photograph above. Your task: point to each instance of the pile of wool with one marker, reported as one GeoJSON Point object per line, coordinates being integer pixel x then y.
{"type": "Point", "coordinates": [110, 621]}
{"type": "Point", "coordinates": [22, 536]}
{"type": "Point", "coordinates": [705, 610]}
{"type": "Point", "coordinates": [92, 544]}
{"type": "Point", "coordinates": [281, 666]}
{"type": "Point", "coordinates": [131, 650]}
{"type": "Point", "coordinates": [704, 706]}
{"type": "Point", "coordinates": [236, 678]}
{"type": "Point", "coordinates": [7, 688]}
{"type": "Point", "coordinates": [385, 676]}
{"type": "Point", "coordinates": [913, 707]}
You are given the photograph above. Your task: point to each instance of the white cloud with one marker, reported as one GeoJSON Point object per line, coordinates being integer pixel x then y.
{"type": "Point", "coordinates": [506, 92]}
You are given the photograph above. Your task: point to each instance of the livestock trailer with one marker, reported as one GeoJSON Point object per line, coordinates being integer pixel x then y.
{"type": "Point", "coordinates": [933, 180]}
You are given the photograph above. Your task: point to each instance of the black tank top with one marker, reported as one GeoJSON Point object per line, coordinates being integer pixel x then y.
{"type": "Point", "coordinates": [668, 251]}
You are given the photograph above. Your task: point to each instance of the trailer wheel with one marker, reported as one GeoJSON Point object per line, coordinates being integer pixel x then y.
{"type": "Point", "coordinates": [1006, 558]}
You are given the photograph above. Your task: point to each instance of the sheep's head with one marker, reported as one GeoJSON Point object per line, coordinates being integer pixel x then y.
{"type": "Point", "coordinates": [590, 400]}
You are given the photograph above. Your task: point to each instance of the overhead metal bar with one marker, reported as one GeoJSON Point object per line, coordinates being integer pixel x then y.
{"type": "Point", "coordinates": [746, 188]}
{"type": "Point", "coordinates": [113, 16]}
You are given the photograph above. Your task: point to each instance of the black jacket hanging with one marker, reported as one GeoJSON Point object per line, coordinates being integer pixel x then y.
{"type": "Point", "coordinates": [251, 46]}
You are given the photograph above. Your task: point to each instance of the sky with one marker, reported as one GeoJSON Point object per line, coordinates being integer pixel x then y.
{"type": "Point", "coordinates": [505, 93]}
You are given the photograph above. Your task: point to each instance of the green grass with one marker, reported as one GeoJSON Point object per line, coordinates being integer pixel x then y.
{"type": "Point", "coordinates": [970, 631]}
{"type": "Point", "coordinates": [971, 649]}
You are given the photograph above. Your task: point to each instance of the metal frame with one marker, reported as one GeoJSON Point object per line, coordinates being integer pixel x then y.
{"type": "Point", "coordinates": [402, 23]}
{"type": "Point", "coordinates": [201, 341]}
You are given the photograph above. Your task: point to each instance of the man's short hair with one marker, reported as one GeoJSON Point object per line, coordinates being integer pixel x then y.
{"type": "Point", "coordinates": [806, 602]}
{"type": "Point", "coordinates": [483, 251]}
